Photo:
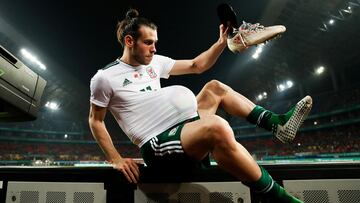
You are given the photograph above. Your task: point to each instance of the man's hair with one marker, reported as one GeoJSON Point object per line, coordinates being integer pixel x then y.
{"type": "Point", "coordinates": [131, 24]}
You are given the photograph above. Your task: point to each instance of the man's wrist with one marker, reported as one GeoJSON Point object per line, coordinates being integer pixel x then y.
{"type": "Point", "coordinates": [222, 43]}
{"type": "Point", "coordinates": [115, 160]}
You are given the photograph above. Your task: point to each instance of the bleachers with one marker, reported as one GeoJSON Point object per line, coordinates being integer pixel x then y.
{"type": "Point", "coordinates": [330, 129]}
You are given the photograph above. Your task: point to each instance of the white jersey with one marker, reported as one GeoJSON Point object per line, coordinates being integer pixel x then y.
{"type": "Point", "coordinates": [135, 98]}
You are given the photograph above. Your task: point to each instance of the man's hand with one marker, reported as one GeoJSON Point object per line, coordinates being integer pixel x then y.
{"type": "Point", "coordinates": [223, 33]}
{"type": "Point", "coordinates": [129, 168]}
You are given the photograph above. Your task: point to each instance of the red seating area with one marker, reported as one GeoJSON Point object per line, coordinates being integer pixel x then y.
{"type": "Point", "coordinates": [324, 132]}
{"type": "Point", "coordinates": [59, 152]}
{"type": "Point", "coordinates": [342, 140]}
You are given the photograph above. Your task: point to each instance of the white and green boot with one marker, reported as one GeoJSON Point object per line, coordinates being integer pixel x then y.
{"type": "Point", "coordinates": [283, 126]}
{"type": "Point", "coordinates": [294, 118]}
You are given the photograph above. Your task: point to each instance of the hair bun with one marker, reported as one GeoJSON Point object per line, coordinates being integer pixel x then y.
{"type": "Point", "coordinates": [132, 13]}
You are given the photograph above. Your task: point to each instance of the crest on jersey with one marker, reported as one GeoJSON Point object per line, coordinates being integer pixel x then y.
{"type": "Point", "coordinates": [150, 71]}
{"type": "Point", "coordinates": [173, 131]}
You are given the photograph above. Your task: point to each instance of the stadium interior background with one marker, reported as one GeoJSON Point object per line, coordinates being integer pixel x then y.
{"type": "Point", "coordinates": [318, 56]}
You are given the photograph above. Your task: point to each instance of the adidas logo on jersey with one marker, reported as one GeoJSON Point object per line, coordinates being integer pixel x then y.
{"type": "Point", "coordinates": [126, 82]}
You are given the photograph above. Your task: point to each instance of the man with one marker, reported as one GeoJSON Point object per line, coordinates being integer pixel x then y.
{"type": "Point", "coordinates": [170, 125]}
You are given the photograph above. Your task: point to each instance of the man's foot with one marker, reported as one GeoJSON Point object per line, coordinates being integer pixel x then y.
{"type": "Point", "coordinates": [293, 120]}
{"type": "Point", "coordinates": [252, 34]}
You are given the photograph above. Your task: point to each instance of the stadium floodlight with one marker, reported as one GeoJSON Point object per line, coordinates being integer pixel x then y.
{"type": "Point", "coordinates": [285, 85]}
{"type": "Point", "coordinates": [261, 96]}
{"type": "Point", "coordinates": [255, 56]}
{"type": "Point", "coordinates": [281, 87]}
{"type": "Point", "coordinates": [347, 10]}
{"type": "Point", "coordinates": [52, 105]}
{"type": "Point", "coordinates": [319, 70]}
{"type": "Point", "coordinates": [289, 84]}
{"type": "Point", "coordinates": [32, 58]}
{"type": "Point", "coordinates": [259, 49]}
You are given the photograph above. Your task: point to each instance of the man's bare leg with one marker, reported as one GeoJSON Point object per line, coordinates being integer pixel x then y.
{"type": "Point", "coordinates": [231, 156]}
{"type": "Point", "coordinates": [283, 126]}
{"type": "Point", "coordinates": [216, 93]}
{"type": "Point", "coordinates": [213, 134]}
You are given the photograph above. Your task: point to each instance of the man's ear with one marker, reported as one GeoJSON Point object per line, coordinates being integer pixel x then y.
{"type": "Point", "coordinates": [129, 41]}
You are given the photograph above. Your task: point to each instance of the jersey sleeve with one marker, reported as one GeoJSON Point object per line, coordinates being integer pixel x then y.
{"type": "Point", "coordinates": [166, 65]}
{"type": "Point", "coordinates": [100, 90]}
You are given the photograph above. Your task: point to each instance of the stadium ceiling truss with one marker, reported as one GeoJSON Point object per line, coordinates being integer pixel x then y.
{"type": "Point", "coordinates": [310, 39]}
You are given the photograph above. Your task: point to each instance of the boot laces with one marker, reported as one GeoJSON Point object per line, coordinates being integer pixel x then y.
{"type": "Point", "coordinates": [251, 27]}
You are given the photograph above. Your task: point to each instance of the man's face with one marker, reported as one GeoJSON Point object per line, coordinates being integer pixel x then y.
{"type": "Point", "coordinates": [144, 48]}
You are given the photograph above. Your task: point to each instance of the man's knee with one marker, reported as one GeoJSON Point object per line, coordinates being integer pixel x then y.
{"type": "Point", "coordinates": [213, 84]}
{"type": "Point", "coordinates": [219, 129]}
{"type": "Point", "coordinates": [217, 87]}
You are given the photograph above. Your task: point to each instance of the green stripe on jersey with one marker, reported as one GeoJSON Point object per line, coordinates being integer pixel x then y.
{"type": "Point", "coordinates": [110, 65]}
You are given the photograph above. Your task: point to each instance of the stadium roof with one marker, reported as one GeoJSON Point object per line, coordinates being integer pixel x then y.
{"type": "Point", "coordinates": [76, 38]}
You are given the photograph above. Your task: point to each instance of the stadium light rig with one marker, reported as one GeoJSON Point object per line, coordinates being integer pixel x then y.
{"type": "Point", "coordinates": [342, 14]}
{"type": "Point", "coordinates": [32, 59]}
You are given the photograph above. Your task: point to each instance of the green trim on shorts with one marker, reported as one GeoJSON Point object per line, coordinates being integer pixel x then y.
{"type": "Point", "coordinates": [166, 150]}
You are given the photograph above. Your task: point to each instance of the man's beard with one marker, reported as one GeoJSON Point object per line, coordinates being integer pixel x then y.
{"type": "Point", "coordinates": [141, 59]}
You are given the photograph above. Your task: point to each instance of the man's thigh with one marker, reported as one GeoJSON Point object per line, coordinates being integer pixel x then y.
{"type": "Point", "coordinates": [197, 137]}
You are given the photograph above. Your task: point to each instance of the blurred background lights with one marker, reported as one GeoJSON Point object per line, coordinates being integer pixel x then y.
{"type": "Point", "coordinates": [52, 105]}
{"type": "Point", "coordinates": [320, 70]}
{"type": "Point", "coordinates": [261, 96]}
{"type": "Point", "coordinates": [285, 85]}
{"type": "Point", "coordinates": [258, 50]}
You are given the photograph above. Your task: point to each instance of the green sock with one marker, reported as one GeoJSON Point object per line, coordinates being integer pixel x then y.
{"type": "Point", "coordinates": [269, 189]}
{"type": "Point", "coordinates": [267, 119]}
